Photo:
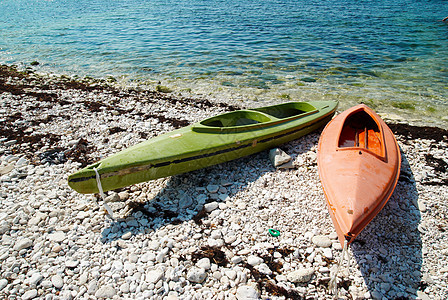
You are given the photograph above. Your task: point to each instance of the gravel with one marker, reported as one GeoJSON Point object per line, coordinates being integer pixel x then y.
{"type": "Point", "coordinates": [204, 234]}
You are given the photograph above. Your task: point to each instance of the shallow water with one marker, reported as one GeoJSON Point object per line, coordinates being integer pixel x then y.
{"type": "Point", "coordinates": [392, 55]}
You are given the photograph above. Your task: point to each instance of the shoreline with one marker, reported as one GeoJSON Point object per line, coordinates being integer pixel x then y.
{"type": "Point", "coordinates": [202, 234]}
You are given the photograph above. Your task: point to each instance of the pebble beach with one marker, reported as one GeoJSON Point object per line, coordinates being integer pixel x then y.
{"type": "Point", "coordinates": [203, 234]}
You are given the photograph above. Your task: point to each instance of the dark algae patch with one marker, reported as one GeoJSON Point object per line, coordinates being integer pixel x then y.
{"type": "Point", "coordinates": [215, 254]}
{"type": "Point", "coordinates": [44, 93]}
{"type": "Point", "coordinates": [411, 132]}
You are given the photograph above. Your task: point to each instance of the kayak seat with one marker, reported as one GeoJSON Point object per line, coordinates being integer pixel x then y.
{"type": "Point", "coordinates": [361, 131]}
{"type": "Point", "coordinates": [236, 118]}
{"type": "Point", "coordinates": [287, 110]}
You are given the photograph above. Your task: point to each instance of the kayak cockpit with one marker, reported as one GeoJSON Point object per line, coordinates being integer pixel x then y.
{"type": "Point", "coordinates": [361, 131]}
{"type": "Point", "coordinates": [250, 119]}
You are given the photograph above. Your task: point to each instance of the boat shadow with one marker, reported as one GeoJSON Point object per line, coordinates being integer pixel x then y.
{"type": "Point", "coordinates": [194, 195]}
{"type": "Point", "coordinates": [388, 251]}
{"type": "Point", "coordinates": [189, 196]}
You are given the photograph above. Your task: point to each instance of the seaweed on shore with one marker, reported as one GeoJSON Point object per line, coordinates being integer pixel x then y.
{"type": "Point", "coordinates": [419, 132]}
{"type": "Point", "coordinates": [216, 255]}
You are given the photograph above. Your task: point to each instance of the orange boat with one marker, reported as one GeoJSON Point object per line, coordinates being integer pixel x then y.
{"type": "Point", "coordinates": [359, 165]}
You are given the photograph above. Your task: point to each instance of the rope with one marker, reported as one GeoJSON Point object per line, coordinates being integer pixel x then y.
{"type": "Point", "coordinates": [333, 285]}
{"type": "Point", "coordinates": [100, 188]}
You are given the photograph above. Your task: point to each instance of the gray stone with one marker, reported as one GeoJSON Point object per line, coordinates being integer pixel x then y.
{"type": "Point", "coordinates": [278, 157]}
{"type": "Point", "coordinates": [185, 202]}
{"type": "Point", "coordinates": [196, 275]}
{"type": "Point", "coordinates": [208, 207]}
{"type": "Point", "coordinates": [212, 188]}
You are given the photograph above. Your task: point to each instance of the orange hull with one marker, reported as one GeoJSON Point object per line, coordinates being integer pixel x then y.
{"type": "Point", "coordinates": [359, 164]}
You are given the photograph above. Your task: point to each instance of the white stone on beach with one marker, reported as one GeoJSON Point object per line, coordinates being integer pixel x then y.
{"type": "Point", "coordinates": [35, 279]}
{"type": "Point", "coordinates": [264, 269]}
{"type": "Point", "coordinates": [301, 275]}
{"type": "Point", "coordinates": [254, 260]}
{"type": "Point", "coordinates": [3, 283]}
{"type": "Point", "coordinates": [57, 281]}
{"type": "Point", "coordinates": [204, 263]}
{"type": "Point", "coordinates": [327, 253]}
{"type": "Point", "coordinates": [246, 292]}
{"type": "Point", "coordinates": [153, 276]}
{"type": "Point", "coordinates": [105, 292]}
{"type": "Point", "coordinates": [127, 235]}
{"type": "Point", "coordinates": [31, 294]}
{"type": "Point", "coordinates": [23, 244]}
{"type": "Point", "coordinates": [321, 241]}
{"type": "Point", "coordinates": [74, 251]}
{"type": "Point", "coordinates": [57, 236]}
{"type": "Point", "coordinates": [72, 263]}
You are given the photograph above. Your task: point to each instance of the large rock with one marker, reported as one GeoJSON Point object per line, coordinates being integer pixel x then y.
{"type": "Point", "coordinates": [280, 159]}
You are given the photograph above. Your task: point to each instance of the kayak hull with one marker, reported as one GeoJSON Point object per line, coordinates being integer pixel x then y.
{"type": "Point", "coordinates": [209, 142]}
{"type": "Point", "coordinates": [359, 164]}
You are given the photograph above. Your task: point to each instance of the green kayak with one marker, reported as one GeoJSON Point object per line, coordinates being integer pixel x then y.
{"type": "Point", "coordinates": [212, 141]}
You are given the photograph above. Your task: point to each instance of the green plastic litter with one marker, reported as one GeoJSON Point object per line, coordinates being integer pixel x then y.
{"type": "Point", "coordinates": [274, 232]}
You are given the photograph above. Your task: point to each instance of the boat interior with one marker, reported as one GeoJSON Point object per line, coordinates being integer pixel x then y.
{"type": "Point", "coordinates": [260, 115]}
{"type": "Point", "coordinates": [361, 131]}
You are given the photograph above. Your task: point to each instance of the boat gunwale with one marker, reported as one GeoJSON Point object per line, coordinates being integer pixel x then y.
{"type": "Point", "coordinates": [200, 127]}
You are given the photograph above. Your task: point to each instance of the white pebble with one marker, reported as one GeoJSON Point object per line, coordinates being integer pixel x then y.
{"type": "Point", "coordinates": [57, 281]}
{"type": "Point", "coordinates": [246, 292]}
{"type": "Point", "coordinates": [301, 275]}
{"type": "Point", "coordinates": [254, 260]}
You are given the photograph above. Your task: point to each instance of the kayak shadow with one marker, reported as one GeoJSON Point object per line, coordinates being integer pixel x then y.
{"type": "Point", "coordinates": [193, 196]}
{"type": "Point", "coordinates": [189, 196]}
{"type": "Point", "coordinates": [388, 251]}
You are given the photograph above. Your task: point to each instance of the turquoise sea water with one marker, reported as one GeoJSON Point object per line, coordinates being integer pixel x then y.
{"type": "Point", "coordinates": [390, 54]}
